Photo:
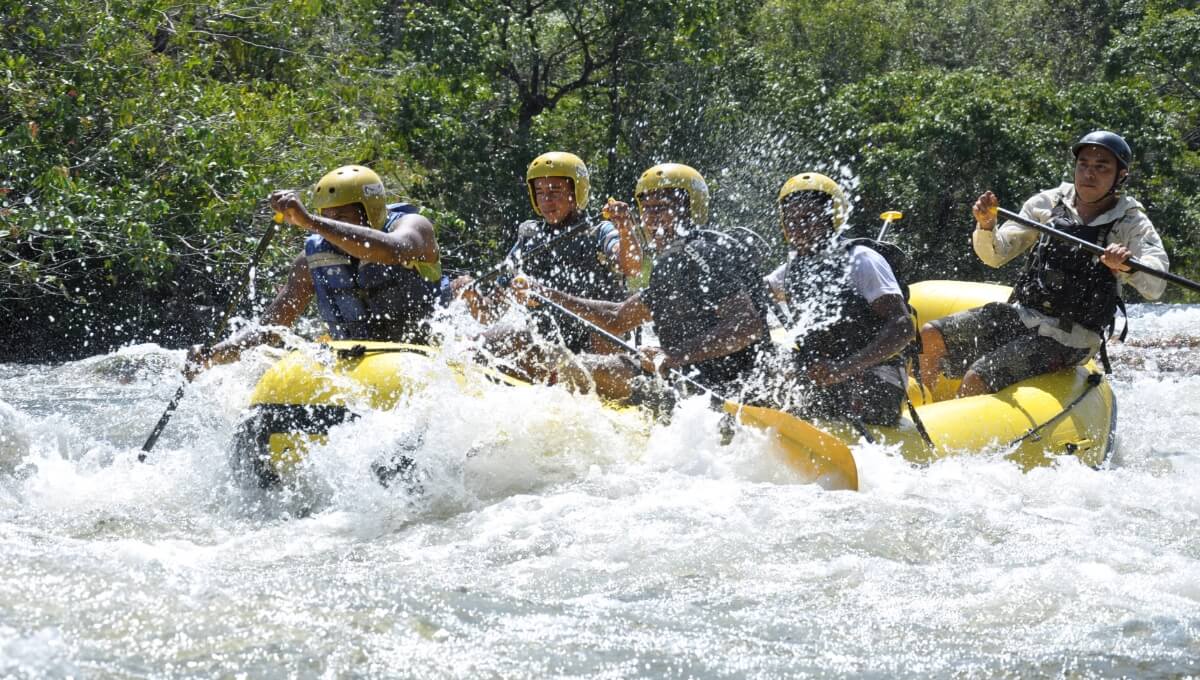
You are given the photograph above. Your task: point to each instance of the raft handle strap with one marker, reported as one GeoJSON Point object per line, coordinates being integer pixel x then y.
{"type": "Point", "coordinates": [861, 427]}
{"type": "Point", "coordinates": [912, 412]}
{"type": "Point", "coordinates": [359, 351]}
{"type": "Point", "coordinates": [1093, 381]}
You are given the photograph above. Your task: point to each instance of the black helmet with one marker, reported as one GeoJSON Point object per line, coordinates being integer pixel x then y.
{"type": "Point", "coordinates": [1108, 140]}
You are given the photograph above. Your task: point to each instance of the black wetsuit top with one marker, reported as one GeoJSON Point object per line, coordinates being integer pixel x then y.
{"type": "Point", "coordinates": [577, 266]}
{"type": "Point", "coordinates": [691, 280]}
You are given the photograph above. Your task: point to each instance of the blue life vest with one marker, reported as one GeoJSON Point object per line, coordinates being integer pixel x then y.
{"type": "Point", "coordinates": [369, 301]}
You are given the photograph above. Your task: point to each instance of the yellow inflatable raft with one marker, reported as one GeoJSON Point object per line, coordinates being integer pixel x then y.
{"type": "Point", "coordinates": [301, 397]}
{"type": "Point", "coordinates": [1071, 412]}
{"type": "Point", "coordinates": [309, 391]}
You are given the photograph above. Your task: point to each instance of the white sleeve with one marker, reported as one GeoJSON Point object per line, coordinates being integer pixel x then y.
{"type": "Point", "coordinates": [1006, 241]}
{"type": "Point", "coordinates": [871, 275]}
{"type": "Point", "coordinates": [1137, 233]}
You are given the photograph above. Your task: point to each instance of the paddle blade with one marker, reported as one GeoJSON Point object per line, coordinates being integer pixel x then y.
{"type": "Point", "coordinates": [811, 452]}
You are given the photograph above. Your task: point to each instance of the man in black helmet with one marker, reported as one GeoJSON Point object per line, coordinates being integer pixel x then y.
{"type": "Point", "coordinates": [1065, 301]}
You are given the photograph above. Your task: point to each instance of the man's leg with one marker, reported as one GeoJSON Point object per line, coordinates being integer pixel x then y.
{"type": "Point", "coordinates": [875, 396]}
{"type": "Point", "coordinates": [1023, 357]}
{"type": "Point", "coordinates": [972, 385]}
{"type": "Point", "coordinates": [610, 375]}
{"type": "Point", "coordinates": [933, 350]}
{"type": "Point", "coordinates": [953, 343]}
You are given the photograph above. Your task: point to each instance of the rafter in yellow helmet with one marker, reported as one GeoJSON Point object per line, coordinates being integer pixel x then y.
{"type": "Point", "coordinates": [815, 181]}
{"type": "Point", "coordinates": [353, 184]}
{"type": "Point", "coordinates": [560, 164]}
{"type": "Point", "coordinates": [677, 176]}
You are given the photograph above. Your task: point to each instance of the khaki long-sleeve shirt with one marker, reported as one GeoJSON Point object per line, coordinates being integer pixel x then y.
{"type": "Point", "coordinates": [1133, 230]}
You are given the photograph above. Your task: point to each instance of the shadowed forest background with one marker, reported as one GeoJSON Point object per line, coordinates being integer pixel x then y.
{"type": "Point", "coordinates": [140, 139]}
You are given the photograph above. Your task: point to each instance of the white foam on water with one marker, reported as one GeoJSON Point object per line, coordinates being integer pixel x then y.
{"type": "Point", "coordinates": [552, 536]}
{"type": "Point", "coordinates": [40, 653]}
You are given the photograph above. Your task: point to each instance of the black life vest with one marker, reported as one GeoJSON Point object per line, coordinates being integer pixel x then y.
{"type": "Point", "coordinates": [691, 279]}
{"type": "Point", "coordinates": [575, 266]}
{"type": "Point", "coordinates": [1065, 282]}
{"type": "Point", "coordinates": [822, 296]}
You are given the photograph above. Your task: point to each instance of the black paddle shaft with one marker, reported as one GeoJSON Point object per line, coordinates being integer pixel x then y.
{"type": "Point", "coordinates": [619, 342]}
{"type": "Point", "coordinates": [212, 339]}
{"type": "Point", "coordinates": [1094, 249]}
{"type": "Point", "coordinates": [508, 264]}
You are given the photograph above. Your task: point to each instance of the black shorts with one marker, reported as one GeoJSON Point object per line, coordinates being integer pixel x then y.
{"type": "Point", "coordinates": [996, 345]}
{"type": "Point", "coordinates": [866, 397]}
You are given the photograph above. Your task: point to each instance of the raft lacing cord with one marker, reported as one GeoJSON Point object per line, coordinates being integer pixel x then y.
{"type": "Point", "coordinates": [1093, 381]}
{"type": "Point", "coordinates": [359, 351]}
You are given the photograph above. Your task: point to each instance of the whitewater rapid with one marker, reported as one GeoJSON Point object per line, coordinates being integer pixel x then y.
{"type": "Point", "coordinates": [556, 538]}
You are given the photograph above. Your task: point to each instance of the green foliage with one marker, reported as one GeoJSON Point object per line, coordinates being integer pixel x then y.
{"type": "Point", "coordinates": [939, 140]}
{"type": "Point", "coordinates": [1161, 51]}
{"type": "Point", "coordinates": [140, 138]}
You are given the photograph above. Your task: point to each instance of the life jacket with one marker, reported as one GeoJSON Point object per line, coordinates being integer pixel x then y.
{"type": "Point", "coordinates": [576, 266]}
{"type": "Point", "coordinates": [369, 301]}
{"type": "Point", "coordinates": [689, 281]}
{"type": "Point", "coordinates": [1065, 282]}
{"type": "Point", "coordinates": [747, 252]}
{"type": "Point", "coordinates": [822, 296]}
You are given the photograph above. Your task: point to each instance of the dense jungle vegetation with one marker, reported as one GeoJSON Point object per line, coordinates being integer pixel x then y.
{"type": "Point", "coordinates": [139, 138]}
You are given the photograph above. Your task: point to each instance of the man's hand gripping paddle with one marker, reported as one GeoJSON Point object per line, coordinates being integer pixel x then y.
{"type": "Point", "coordinates": [1094, 249]}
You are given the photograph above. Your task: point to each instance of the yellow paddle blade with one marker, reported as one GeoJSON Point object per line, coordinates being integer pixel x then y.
{"type": "Point", "coordinates": [812, 452]}
{"type": "Point", "coordinates": [891, 215]}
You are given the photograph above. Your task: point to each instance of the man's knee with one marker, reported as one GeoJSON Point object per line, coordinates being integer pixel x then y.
{"type": "Point", "coordinates": [973, 384]}
{"type": "Point", "coordinates": [932, 338]}
{"type": "Point", "coordinates": [611, 374]}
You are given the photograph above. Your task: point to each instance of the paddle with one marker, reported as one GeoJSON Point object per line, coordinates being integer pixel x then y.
{"type": "Point", "coordinates": [1094, 249]}
{"type": "Point", "coordinates": [815, 453]}
{"type": "Point", "coordinates": [220, 330]}
{"type": "Point", "coordinates": [888, 217]}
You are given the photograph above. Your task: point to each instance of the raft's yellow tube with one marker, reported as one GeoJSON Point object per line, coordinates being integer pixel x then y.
{"type": "Point", "coordinates": [306, 392]}
{"type": "Point", "coordinates": [985, 422]}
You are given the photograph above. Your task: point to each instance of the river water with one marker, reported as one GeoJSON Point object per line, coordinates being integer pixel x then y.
{"type": "Point", "coordinates": [554, 538]}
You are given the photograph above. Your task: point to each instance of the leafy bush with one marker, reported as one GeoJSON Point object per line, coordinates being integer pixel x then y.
{"type": "Point", "coordinates": [140, 138]}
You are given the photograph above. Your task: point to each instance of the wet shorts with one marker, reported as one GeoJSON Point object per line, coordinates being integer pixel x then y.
{"type": "Point", "coordinates": [867, 397]}
{"type": "Point", "coordinates": [993, 342]}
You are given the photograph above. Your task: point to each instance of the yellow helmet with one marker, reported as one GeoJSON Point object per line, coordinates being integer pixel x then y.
{"type": "Point", "coordinates": [559, 164]}
{"type": "Point", "coordinates": [676, 176]}
{"type": "Point", "coordinates": [815, 181]}
{"type": "Point", "coordinates": [353, 184]}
